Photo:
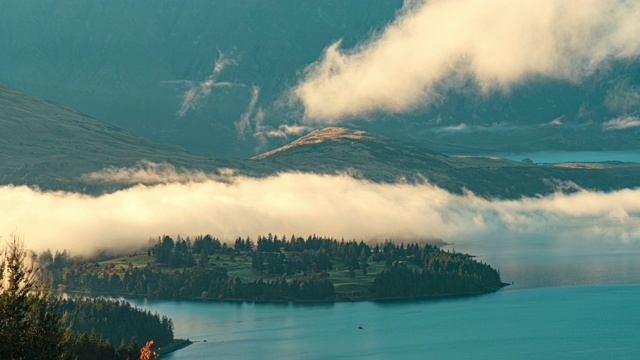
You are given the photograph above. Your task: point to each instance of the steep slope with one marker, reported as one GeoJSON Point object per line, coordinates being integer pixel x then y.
{"type": "Point", "coordinates": [131, 64]}
{"type": "Point", "coordinates": [54, 147]}
{"type": "Point", "coordinates": [51, 146]}
{"type": "Point", "coordinates": [380, 158]}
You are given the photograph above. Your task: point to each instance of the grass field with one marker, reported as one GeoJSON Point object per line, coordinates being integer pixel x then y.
{"type": "Point", "coordinates": [137, 260]}
{"type": "Point", "coordinates": [240, 267]}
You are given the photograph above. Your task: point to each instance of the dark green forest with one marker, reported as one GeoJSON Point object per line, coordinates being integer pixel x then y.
{"type": "Point", "coordinates": [36, 323]}
{"type": "Point", "coordinates": [294, 269]}
{"type": "Point", "coordinates": [114, 323]}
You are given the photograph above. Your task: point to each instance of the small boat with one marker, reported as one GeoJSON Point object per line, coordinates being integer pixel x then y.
{"type": "Point", "coordinates": [360, 327]}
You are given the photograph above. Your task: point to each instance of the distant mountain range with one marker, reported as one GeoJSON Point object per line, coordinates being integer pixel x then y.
{"type": "Point", "coordinates": [54, 147]}
{"type": "Point", "coordinates": [213, 77]}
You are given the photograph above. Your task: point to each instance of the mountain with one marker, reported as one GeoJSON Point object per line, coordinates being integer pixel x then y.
{"type": "Point", "coordinates": [213, 77]}
{"type": "Point", "coordinates": [131, 63]}
{"type": "Point", "coordinates": [55, 147]}
{"type": "Point", "coordinates": [380, 158]}
{"type": "Point", "coordinates": [52, 146]}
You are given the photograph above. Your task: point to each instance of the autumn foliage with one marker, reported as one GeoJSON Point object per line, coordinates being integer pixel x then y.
{"type": "Point", "coordinates": [146, 353]}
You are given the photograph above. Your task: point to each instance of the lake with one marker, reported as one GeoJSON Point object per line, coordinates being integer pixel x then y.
{"type": "Point", "coordinates": [544, 323]}
{"type": "Point", "coordinates": [553, 157]}
{"type": "Point", "coordinates": [564, 304]}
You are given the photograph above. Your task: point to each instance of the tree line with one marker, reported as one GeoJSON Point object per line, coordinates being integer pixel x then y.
{"type": "Point", "coordinates": [298, 268]}
{"type": "Point", "coordinates": [37, 324]}
{"type": "Point", "coordinates": [196, 283]}
{"type": "Point", "coordinates": [116, 321]}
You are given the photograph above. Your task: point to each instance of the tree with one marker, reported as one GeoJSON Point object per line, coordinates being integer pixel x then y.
{"type": "Point", "coordinates": [31, 325]}
{"type": "Point", "coordinates": [204, 258]}
{"type": "Point", "coordinates": [364, 261]}
{"type": "Point", "coordinates": [45, 258]}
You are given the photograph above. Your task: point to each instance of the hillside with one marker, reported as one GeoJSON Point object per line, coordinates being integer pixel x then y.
{"type": "Point", "coordinates": [54, 148]}
{"type": "Point", "coordinates": [381, 158]}
{"type": "Point", "coordinates": [51, 146]}
{"type": "Point", "coordinates": [129, 64]}
{"type": "Point", "coordinates": [132, 64]}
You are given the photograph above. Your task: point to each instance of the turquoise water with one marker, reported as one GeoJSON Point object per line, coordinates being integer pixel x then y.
{"type": "Point", "coordinates": [591, 322]}
{"type": "Point", "coordinates": [569, 300]}
{"type": "Point", "coordinates": [552, 157]}
{"type": "Point", "coordinates": [554, 262]}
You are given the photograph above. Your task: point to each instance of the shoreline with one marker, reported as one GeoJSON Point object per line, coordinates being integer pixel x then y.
{"type": "Point", "coordinates": [339, 298]}
{"type": "Point", "coordinates": [175, 345]}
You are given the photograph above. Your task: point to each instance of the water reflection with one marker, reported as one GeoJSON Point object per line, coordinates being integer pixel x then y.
{"type": "Point", "coordinates": [562, 322]}
{"type": "Point", "coordinates": [557, 262]}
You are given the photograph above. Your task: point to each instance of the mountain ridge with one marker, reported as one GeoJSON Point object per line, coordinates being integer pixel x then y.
{"type": "Point", "coordinates": [133, 65]}
{"type": "Point", "coordinates": [55, 148]}
{"type": "Point", "coordinates": [384, 159]}
{"type": "Point", "coordinates": [331, 133]}
{"type": "Point", "coordinates": [52, 146]}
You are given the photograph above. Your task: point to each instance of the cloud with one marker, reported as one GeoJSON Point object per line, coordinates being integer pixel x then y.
{"type": "Point", "coordinates": [459, 127]}
{"type": "Point", "coordinates": [623, 97]}
{"type": "Point", "coordinates": [199, 91]}
{"type": "Point", "coordinates": [462, 127]}
{"type": "Point", "coordinates": [303, 204]}
{"type": "Point", "coordinates": [244, 124]}
{"type": "Point", "coordinates": [284, 131]}
{"type": "Point", "coordinates": [620, 123]}
{"type": "Point", "coordinates": [555, 122]}
{"type": "Point", "coordinates": [435, 45]}
{"type": "Point", "coordinates": [150, 173]}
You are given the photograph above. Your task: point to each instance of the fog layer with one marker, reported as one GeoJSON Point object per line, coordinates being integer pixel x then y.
{"type": "Point", "coordinates": [303, 204]}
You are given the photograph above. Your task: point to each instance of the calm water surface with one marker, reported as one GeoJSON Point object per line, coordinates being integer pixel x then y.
{"type": "Point", "coordinates": [545, 323]}
{"type": "Point", "coordinates": [552, 157]}
{"type": "Point", "coordinates": [566, 303]}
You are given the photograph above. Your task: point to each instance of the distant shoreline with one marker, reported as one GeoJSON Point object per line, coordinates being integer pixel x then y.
{"type": "Point", "coordinates": [175, 345]}
{"type": "Point", "coordinates": [339, 298]}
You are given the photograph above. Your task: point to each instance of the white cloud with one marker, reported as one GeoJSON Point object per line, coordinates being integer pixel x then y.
{"type": "Point", "coordinates": [622, 123]}
{"type": "Point", "coordinates": [303, 204]}
{"type": "Point", "coordinates": [244, 124]}
{"type": "Point", "coordinates": [284, 131]}
{"type": "Point", "coordinates": [199, 91]}
{"type": "Point", "coordinates": [554, 122]}
{"type": "Point", "coordinates": [459, 127]}
{"type": "Point", "coordinates": [150, 173]}
{"type": "Point", "coordinates": [462, 127]}
{"type": "Point", "coordinates": [496, 43]}
{"type": "Point", "coordinates": [623, 97]}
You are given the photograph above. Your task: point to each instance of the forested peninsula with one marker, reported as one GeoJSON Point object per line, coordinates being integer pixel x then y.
{"type": "Point", "coordinates": [274, 269]}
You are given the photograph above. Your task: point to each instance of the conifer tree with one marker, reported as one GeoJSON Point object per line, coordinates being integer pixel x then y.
{"type": "Point", "coordinates": [30, 320]}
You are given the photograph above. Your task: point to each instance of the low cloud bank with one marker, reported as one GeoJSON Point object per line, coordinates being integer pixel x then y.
{"type": "Point", "coordinates": [151, 173]}
{"type": "Point", "coordinates": [303, 204]}
{"type": "Point", "coordinates": [620, 123]}
{"type": "Point", "coordinates": [437, 45]}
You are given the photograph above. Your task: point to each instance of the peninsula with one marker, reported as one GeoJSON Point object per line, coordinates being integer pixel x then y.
{"type": "Point", "coordinates": [315, 269]}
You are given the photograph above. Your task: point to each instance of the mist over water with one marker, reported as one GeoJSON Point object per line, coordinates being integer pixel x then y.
{"type": "Point", "coordinates": [336, 206]}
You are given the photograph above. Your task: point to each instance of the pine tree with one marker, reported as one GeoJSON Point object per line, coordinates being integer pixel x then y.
{"type": "Point", "coordinates": [31, 323]}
